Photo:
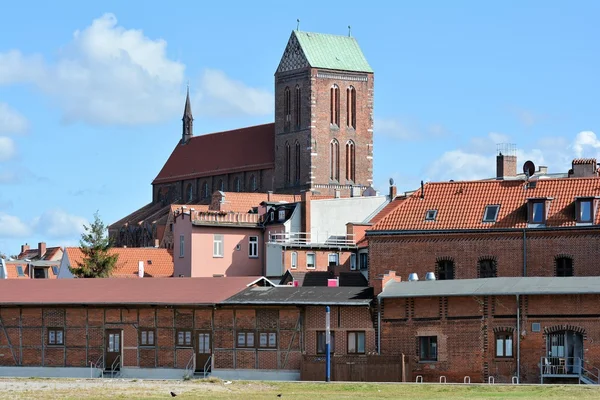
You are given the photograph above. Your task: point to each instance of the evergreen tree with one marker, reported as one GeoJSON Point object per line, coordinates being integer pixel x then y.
{"type": "Point", "coordinates": [95, 245]}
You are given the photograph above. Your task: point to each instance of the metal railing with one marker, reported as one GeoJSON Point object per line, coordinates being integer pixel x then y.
{"type": "Point", "coordinates": [308, 238]}
{"type": "Point", "coordinates": [207, 365]}
{"type": "Point", "coordinates": [99, 364]}
{"type": "Point", "coordinates": [116, 364]}
{"type": "Point", "coordinates": [569, 366]}
{"type": "Point", "coordinates": [190, 367]}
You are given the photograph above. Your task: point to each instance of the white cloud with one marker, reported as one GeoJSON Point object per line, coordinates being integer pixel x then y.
{"type": "Point", "coordinates": [13, 227]}
{"type": "Point", "coordinates": [586, 144]}
{"type": "Point", "coordinates": [7, 148]}
{"type": "Point", "coordinates": [222, 96]}
{"type": "Point", "coordinates": [406, 129]}
{"type": "Point", "coordinates": [57, 223]}
{"type": "Point", "coordinates": [11, 121]}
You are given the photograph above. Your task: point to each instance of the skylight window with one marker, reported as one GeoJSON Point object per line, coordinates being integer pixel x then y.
{"type": "Point", "coordinates": [491, 213]}
{"type": "Point", "coordinates": [55, 270]}
{"type": "Point", "coordinates": [430, 215]}
{"type": "Point", "coordinates": [20, 270]}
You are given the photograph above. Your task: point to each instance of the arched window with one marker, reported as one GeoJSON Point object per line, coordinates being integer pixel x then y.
{"type": "Point", "coordinates": [334, 160]}
{"type": "Point", "coordinates": [221, 185]}
{"type": "Point", "coordinates": [205, 192]}
{"type": "Point", "coordinates": [288, 163]}
{"type": "Point", "coordinates": [351, 107]}
{"type": "Point", "coordinates": [298, 106]}
{"type": "Point", "coordinates": [287, 105]}
{"type": "Point", "coordinates": [238, 185]}
{"type": "Point", "coordinates": [253, 185]}
{"type": "Point", "coordinates": [487, 268]}
{"type": "Point", "coordinates": [563, 266]}
{"type": "Point", "coordinates": [444, 269]}
{"type": "Point", "coordinates": [189, 192]}
{"type": "Point", "coordinates": [350, 161]}
{"type": "Point", "coordinates": [297, 159]}
{"type": "Point", "coordinates": [335, 105]}
{"type": "Point", "coordinates": [294, 263]}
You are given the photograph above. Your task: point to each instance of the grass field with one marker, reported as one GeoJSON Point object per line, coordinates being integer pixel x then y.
{"type": "Point", "coordinates": [215, 389]}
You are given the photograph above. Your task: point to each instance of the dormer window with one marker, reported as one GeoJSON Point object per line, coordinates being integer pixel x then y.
{"type": "Point", "coordinates": [537, 210]}
{"type": "Point", "coordinates": [585, 209]}
{"type": "Point", "coordinates": [281, 215]}
{"type": "Point", "coordinates": [430, 215]}
{"type": "Point", "coordinates": [491, 213]}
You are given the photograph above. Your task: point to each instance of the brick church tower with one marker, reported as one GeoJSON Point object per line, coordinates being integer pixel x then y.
{"type": "Point", "coordinates": [323, 116]}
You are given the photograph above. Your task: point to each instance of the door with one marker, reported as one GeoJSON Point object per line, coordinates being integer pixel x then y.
{"type": "Point", "coordinates": [113, 349]}
{"type": "Point", "coordinates": [565, 351]}
{"type": "Point", "coordinates": [203, 350]}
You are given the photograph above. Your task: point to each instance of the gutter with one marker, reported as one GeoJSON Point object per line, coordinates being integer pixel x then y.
{"type": "Point", "coordinates": [524, 252]}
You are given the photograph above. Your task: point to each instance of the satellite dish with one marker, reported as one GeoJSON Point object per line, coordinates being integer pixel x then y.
{"type": "Point", "coordinates": [391, 181]}
{"type": "Point", "coordinates": [529, 168]}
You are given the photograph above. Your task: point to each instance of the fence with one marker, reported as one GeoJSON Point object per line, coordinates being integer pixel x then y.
{"type": "Point", "coordinates": [369, 368]}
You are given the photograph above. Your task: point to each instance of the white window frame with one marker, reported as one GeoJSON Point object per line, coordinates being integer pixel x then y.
{"type": "Point", "coordinates": [294, 260]}
{"type": "Point", "coordinates": [253, 247]}
{"type": "Point", "coordinates": [181, 246]}
{"type": "Point", "coordinates": [336, 256]}
{"type": "Point", "coordinates": [314, 257]}
{"type": "Point", "coordinates": [353, 262]}
{"type": "Point", "coordinates": [218, 244]}
{"type": "Point", "coordinates": [281, 215]}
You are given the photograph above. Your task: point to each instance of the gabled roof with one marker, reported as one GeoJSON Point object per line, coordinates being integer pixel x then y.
{"type": "Point", "coordinates": [12, 268]}
{"type": "Point", "coordinates": [104, 291]}
{"type": "Point", "coordinates": [461, 205]}
{"type": "Point", "coordinates": [244, 149]}
{"type": "Point", "coordinates": [158, 262]}
{"type": "Point", "coordinates": [325, 51]}
{"type": "Point", "coordinates": [346, 296]}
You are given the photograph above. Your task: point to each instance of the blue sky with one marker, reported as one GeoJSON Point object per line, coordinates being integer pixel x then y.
{"type": "Point", "coordinates": [91, 96]}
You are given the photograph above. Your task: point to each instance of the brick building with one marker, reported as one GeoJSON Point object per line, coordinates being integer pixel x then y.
{"type": "Point", "coordinates": [321, 140]}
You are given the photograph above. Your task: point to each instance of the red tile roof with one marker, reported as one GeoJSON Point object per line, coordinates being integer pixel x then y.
{"type": "Point", "coordinates": [580, 161]}
{"type": "Point", "coordinates": [244, 202]}
{"type": "Point", "coordinates": [158, 262]}
{"type": "Point", "coordinates": [12, 270]}
{"type": "Point", "coordinates": [460, 205]}
{"type": "Point", "coordinates": [101, 291]}
{"type": "Point", "coordinates": [242, 149]}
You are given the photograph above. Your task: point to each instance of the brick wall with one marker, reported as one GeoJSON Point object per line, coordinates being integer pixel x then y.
{"type": "Point", "coordinates": [321, 259]}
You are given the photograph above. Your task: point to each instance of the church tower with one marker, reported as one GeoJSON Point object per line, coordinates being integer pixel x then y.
{"type": "Point", "coordinates": [188, 120]}
{"type": "Point", "coordinates": [323, 115]}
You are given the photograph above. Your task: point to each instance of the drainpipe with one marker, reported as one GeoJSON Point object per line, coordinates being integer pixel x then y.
{"type": "Point", "coordinates": [378, 326]}
{"type": "Point", "coordinates": [524, 252]}
{"type": "Point", "coordinates": [518, 339]}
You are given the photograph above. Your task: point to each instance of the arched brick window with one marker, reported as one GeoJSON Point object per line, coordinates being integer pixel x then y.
{"type": "Point", "coordinates": [487, 268]}
{"type": "Point", "coordinates": [563, 266]}
{"type": "Point", "coordinates": [253, 183]}
{"type": "Point", "coordinates": [297, 160]}
{"type": "Point", "coordinates": [350, 161]}
{"type": "Point", "coordinates": [288, 163]}
{"type": "Point", "coordinates": [189, 192]}
{"type": "Point", "coordinates": [334, 160]}
{"type": "Point", "coordinates": [351, 107]}
{"type": "Point", "coordinates": [238, 185]}
{"type": "Point", "coordinates": [334, 107]}
{"type": "Point", "coordinates": [205, 192]}
{"type": "Point", "coordinates": [298, 104]}
{"type": "Point", "coordinates": [221, 185]}
{"type": "Point", "coordinates": [287, 106]}
{"type": "Point", "coordinates": [444, 269]}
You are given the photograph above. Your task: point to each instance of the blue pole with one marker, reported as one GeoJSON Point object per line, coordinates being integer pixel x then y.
{"type": "Point", "coordinates": [327, 347]}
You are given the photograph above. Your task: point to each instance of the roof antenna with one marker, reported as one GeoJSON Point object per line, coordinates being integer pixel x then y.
{"type": "Point", "coordinates": [349, 31]}
{"type": "Point", "coordinates": [298, 24]}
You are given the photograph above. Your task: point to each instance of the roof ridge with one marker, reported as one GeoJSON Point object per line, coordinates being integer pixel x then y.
{"type": "Point", "coordinates": [231, 130]}
{"type": "Point", "coordinates": [324, 34]}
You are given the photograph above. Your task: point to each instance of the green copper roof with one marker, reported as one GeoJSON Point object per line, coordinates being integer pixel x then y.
{"type": "Point", "coordinates": [332, 52]}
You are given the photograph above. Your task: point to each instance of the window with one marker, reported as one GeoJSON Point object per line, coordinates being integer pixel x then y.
{"type": "Point", "coordinates": [364, 260]}
{"type": "Point", "coordinates": [537, 212]}
{"type": "Point", "coordinates": [56, 336]}
{"type": "Point", "coordinates": [205, 193]}
{"type": "Point", "coordinates": [147, 337]}
{"type": "Point", "coordinates": [445, 270]}
{"type": "Point", "coordinates": [491, 213]}
{"type": "Point", "coordinates": [351, 107]}
{"type": "Point", "coordinates": [267, 340]}
{"type": "Point", "coordinates": [585, 210]}
{"type": "Point", "coordinates": [487, 268]}
{"type": "Point", "coordinates": [321, 345]}
{"type": "Point", "coordinates": [217, 245]}
{"type": "Point", "coordinates": [253, 246]}
{"type": "Point", "coordinates": [334, 107]}
{"type": "Point", "coordinates": [20, 270]}
{"type": "Point", "coordinates": [238, 185]}
{"type": "Point", "coordinates": [352, 262]}
{"type": "Point", "coordinates": [350, 166]}
{"type": "Point", "coordinates": [40, 273]}
{"type": "Point", "coordinates": [253, 184]}
{"type": "Point", "coordinates": [281, 215]}
{"type": "Point", "coordinates": [55, 270]}
{"type": "Point", "coordinates": [310, 260]}
{"type": "Point", "coordinates": [181, 246]}
{"type": "Point", "coordinates": [430, 215]}
{"type": "Point", "coordinates": [333, 260]}
{"type": "Point", "coordinates": [184, 338]}
{"type": "Point", "coordinates": [334, 160]}
{"type": "Point", "coordinates": [245, 339]}
{"type": "Point", "coordinates": [427, 348]}
{"type": "Point", "coordinates": [221, 185]}
{"type": "Point", "coordinates": [504, 344]}
{"type": "Point", "coordinates": [297, 158]}
{"type": "Point", "coordinates": [287, 105]}
{"type": "Point", "coordinates": [356, 342]}
{"type": "Point", "coordinates": [294, 263]}
{"type": "Point", "coordinates": [564, 266]}
{"type": "Point", "coordinates": [189, 192]}
{"type": "Point", "coordinates": [288, 163]}
{"type": "Point", "coordinates": [536, 327]}
{"type": "Point", "coordinates": [298, 106]}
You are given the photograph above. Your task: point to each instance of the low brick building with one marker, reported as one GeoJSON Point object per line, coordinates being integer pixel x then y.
{"type": "Point", "coordinates": [531, 329]}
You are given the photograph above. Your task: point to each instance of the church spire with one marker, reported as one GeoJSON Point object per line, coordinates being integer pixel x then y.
{"type": "Point", "coordinates": [188, 119]}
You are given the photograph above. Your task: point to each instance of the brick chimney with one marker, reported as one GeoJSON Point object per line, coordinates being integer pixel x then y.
{"type": "Point", "coordinates": [583, 167]}
{"type": "Point", "coordinates": [305, 208]}
{"type": "Point", "coordinates": [393, 192]}
{"type": "Point", "coordinates": [41, 249]}
{"type": "Point", "coordinates": [506, 165]}
{"type": "Point", "coordinates": [380, 282]}
{"type": "Point", "coordinates": [24, 248]}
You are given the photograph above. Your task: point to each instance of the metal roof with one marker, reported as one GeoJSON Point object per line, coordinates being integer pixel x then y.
{"type": "Point", "coordinates": [494, 287]}
{"type": "Point", "coordinates": [346, 296]}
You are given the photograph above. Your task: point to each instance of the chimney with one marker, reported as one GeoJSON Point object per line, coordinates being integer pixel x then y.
{"type": "Point", "coordinates": [336, 193]}
{"type": "Point", "coordinates": [141, 269]}
{"type": "Point", "coordinates": [380, 282]}
{"type": "Point", "coordinates": [506, 161]}
{"type": "Point", "coordinates": [156, 243]}
{"type": "Point", "coordinates": [41, 249]}
{"type": "Point", "coordinates": [393, 192]}
{"type": "Point", "coordinates": [24, 248]}
{"type": "Point", "coordinates": [583, 167]}
{"type": "Point", "coordinates": [305, 211]}
{"type": "Point", "coordinates": [543, 170]}
{"type": "Point", "coordinates": [269, 193]}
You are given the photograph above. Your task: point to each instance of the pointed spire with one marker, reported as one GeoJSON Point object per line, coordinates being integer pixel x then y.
{"type": "Point", "coordinates": [188, 119]}
{"type": "Point", "coordinates": [187, 111]}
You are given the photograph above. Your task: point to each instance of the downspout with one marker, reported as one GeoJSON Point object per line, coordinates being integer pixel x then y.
{"type": "Point", "coordinates": [378, 326]}
{"type": "Point", "coordinates": [518, 339]}
{"type": "Point", "coordinates": [524, 252]}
